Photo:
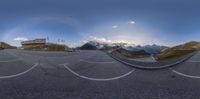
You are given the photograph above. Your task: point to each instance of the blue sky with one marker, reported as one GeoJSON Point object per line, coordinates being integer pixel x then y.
{"type": "Point", "coordinates": [164, 22]}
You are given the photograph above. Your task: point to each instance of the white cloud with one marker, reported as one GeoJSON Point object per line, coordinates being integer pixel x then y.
{"type": "Point", "coordinates": [100, 39]}
{"type": "Point", "coordinates": [115, 26]}
{"type": "Point", "coordinates": [20, 39]}
{"type": "Point", "coordinates": [110, 41]}
{"type": "Point", "coordinates": [131, 22]}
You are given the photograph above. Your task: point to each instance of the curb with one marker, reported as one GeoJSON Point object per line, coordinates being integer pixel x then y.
{"type": "Point", "coordinates": [152, 68]}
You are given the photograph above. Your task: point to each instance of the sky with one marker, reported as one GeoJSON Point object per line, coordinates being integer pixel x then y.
{"type": "Point", "coordinates": [163, 22]}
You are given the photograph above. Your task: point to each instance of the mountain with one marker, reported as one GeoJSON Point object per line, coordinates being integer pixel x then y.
{"type": "Point", "coordinates": [124, 49]}
{"type": "Point", "coordinates": [89, 46]}
{"type": "Point", "coordinates": [130, 54]}
{"type": "Point", "coordinates": [151, 49]}
{"type": "Point", "coordinates": [134, 51]}
{"type": "Point", "coordinates": [191, 45]}
{"type": "Point", "coordinates": [138, 51]}
{"type": "Point", "coordinates": [178, 51]}
{"type": "Point", "coordinates": [94, 45]}
{"type": "Point", "coordinates": [7, 46]}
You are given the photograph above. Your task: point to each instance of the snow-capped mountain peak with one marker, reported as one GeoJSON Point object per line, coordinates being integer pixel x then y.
{"type": "Point", "coordinates": [151, 49]}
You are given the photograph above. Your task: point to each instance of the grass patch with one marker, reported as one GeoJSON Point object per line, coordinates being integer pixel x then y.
{"type": "Point", "coordinates": [173, 54]}
{"type": "Point", "coordinates": [7, 46]}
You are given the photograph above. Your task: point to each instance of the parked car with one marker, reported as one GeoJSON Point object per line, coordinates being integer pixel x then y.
{"type": "Point", "coordinates": [72, 50]}
{"type": "Point", "coordinates": [1, 48]}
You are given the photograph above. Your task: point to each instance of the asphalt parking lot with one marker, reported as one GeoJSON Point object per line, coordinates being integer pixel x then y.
{"type": "Point", "coordinates": [92, 75]}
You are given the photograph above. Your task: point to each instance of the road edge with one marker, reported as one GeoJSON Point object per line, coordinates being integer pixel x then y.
{"type": "Point", "coordinates": [151, 68]}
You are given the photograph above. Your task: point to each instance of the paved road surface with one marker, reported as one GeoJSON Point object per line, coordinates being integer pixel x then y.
{"type": "Point", "coordinates": [92, 75]}
{"type": "Point", "coordinates": [144, 59]}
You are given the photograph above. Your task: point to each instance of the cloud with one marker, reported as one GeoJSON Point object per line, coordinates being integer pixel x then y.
{"type": "Point", "coordinates": [20, 39]}
{"type": "Point", "coordinates": [100, 39]}
{"type": "Point", "coordinates": [115, 26]}
{"type": "Point", "coordinates": [131, 22]}
{"type": "Point", "coordinates": [109, 41]}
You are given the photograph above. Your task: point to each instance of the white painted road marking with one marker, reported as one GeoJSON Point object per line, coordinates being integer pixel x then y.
{"type": "Point", "coordinates": [97, 79]}
{"type": "Point", "coordinates": [185, 75]}
{"type": "Point", "coordinates": [95, 62]}
{"type": "Point", "coordinates": [153, 58]}
{"type": "Point", "coordinates": [9, 61]}
{"type": "Point", "coordinates": [19, 74]}
{"type": "Point", "coordinates": [66, 55]}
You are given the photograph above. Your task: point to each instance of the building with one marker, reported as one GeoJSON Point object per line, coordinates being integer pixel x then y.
{"type": "Point", "coordinates": [33, 43]}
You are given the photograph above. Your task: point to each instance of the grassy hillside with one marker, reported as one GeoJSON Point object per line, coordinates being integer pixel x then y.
{"type": "Point", "coordinates": [179, 51]}
{"type": "Point", "coordinates": [52, 47]}
{"type": "Point", "coordinates": [192, 45]}
{"type": "Point", "coordinates": [7, 46]}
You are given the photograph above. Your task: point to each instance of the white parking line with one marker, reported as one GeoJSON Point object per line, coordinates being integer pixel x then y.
{"type": "Point", "coordinates": [25, 54]}
{"type": "Point", "coordinates": [153, 58]}
{"type": "Point", "coordinates": [7, 56]}
{"type": "Point", "coordinates": [95, 62]}
{"type": "Point", "coordinates": [97, 79]}
{"type": "Point", "coordinates": [185, 75]}
{"type": "Point", "coordinates": [19, 74]}
{"type": "Point", "coordinates": [9, 61]}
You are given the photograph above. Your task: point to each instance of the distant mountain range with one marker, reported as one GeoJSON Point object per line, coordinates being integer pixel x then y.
{"type": "Point", "coordinates": [149, 49]}
{"type": "Point", "coordinates": [130, 54]}
{"type": "Point", "coordinates": [94, 45]}
{"type": "Point", "coordinates": [135, 51]}
{"type": "Point", "coordinates": [138, 51]}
